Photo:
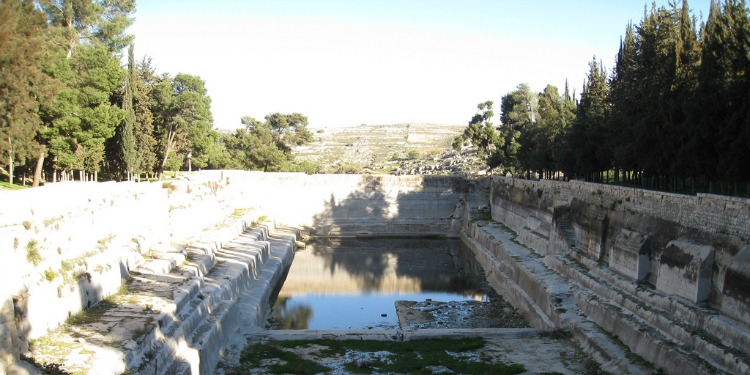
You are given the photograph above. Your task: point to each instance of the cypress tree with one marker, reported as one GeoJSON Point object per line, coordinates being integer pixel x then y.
{"type": "Point", "coordinates": [127, 142]}
{"type": "Point", "coordinates": [721, 136]}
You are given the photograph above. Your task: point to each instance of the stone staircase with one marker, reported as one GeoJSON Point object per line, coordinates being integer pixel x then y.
{"type": "Point", "coordinates": [180, 307]}
{"type": "Point", "coordinates": [667, 331]}
{"type": "Point", "coordinates": [565, 227]}
{"type": "Point", "coordinates": [626, 326]}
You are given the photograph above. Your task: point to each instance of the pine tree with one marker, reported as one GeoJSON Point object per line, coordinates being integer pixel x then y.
{"type": "Point", "coordinates": [182, 119]}
{"type": "Point", "coordinates": [21, 81]}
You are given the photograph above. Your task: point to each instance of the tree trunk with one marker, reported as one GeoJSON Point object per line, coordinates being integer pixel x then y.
{"type": "Point", "coordinates": [38, 169]}
{"type": "Point", "coordinates": [167, 149]}
{"type": "Point", "coordinates": [10, 160]}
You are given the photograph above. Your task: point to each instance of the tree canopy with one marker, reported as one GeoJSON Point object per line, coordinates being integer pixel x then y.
{"type": "Point", "coordinates": [673, 113]}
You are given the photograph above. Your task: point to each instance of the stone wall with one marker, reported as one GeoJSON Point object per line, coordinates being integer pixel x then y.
{"type": "Point", "coordinates": [69, 245]}
{"type": "Point", "coordinates": [353, 204]}
{"type": "Point", "coordinates": [636, 232]}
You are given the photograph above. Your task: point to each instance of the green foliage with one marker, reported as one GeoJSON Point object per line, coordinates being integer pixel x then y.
{"type": "Point", "coordinates": [9, 186]}
{"type": "Point", "coordinates": [480, 132]}
{"type": "Point", "coordinates": [674, 108]}
{"type": "Point", "coordinates": [267, 145]}
{"type": "Point", "coordinates": [412, 154]}
{"type": "Point", "coordinates": [182, 120]}
{"type": "Point", "coordinates": [50, 274]}
{"type": "Point", "coordinates": [290, 363]}
{"type": "Point", "coordinates": [403, 357]}
{"type": "Point", "coordinates": [32, 253]}
{"type": "Point", "coordinates": [83, 117]}
{"type": "Point", "coordinates": [22, 83]}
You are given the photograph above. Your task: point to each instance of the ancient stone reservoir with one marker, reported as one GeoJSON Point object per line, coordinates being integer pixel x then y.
{"type": "Point", "coordinates": [642, 280]}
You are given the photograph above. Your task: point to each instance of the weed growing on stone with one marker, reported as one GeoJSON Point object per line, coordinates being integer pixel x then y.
{"type": "Point", "coordinates": [32, 253]}
{"type": "Point", "coordinates": [91, 314]}
{"type": "Point", "coordinates": [278, 361]}
{"type": "Point", "coordinates": [50, 274]}
{"type": "Point", "coordinates": [52, 220]}
{"type": "Point", "coordinates": [102, 243]}
{"type": "Point", "coordinates": [413, 357]}
{"type": "Point", "coordinates": [240, 212]}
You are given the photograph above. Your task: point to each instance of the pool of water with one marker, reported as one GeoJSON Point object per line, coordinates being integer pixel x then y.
{"type": "Point", "coordinates": [354, 283]}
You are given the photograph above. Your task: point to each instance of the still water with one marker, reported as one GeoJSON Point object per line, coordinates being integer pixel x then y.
{"type": "Point", "coordinates": [354, 283]}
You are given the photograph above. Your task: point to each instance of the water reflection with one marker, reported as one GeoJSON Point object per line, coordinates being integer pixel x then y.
{"type": "Point", "coordinates": [354, 283]}
{"type": "Point", "coordinates": [290, 316]}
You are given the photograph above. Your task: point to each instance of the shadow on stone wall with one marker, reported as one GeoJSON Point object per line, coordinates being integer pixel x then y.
{"type": "Point", "coordinates": [381, 225]}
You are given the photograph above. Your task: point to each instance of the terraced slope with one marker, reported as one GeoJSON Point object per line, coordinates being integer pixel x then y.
{"type": "Point", "coordinates": [380, 148]}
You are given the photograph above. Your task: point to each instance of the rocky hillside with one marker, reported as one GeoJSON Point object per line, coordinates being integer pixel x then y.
{"type": "Point", "coordinates": [394, 149]}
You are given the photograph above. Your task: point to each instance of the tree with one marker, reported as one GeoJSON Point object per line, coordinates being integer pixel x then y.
{"type": "Point", "coordinates": [267, 145]}
{"type": "Point", "coordinates": [291, 128]}
{"type": "Point", "coordinates": [625, 105]}
{"type": "Point", "coordinates": [722, 134]}
{"type": "Point", "coordinates": [83, 117]}
{"type": "Point", "coordinates": [182, 117]}
{"type": "Point", "coordinates": [556, 113]}
{"type": "Point", "coordinates": [121, 153]}
{"type": "Point", "coordinates": [88, 36]}
{"type": "Point", "coordinates": [143, 128]}
{"type": "Point", "coordinates": [518, 114]}
{"type": "Point", "coordinates": [22, 82]}
{"type": "Point", "coordinates": [481, 132]}
{"type": "Point", "coordinates": [589, 154]}
{"type": "Point", "coordinates": [96, 22]}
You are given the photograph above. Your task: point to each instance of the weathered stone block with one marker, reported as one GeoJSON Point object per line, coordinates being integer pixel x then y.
{"type": "Point", "coordinates": [736, 291]}
{"type": "Point", "coordinates": [686, 269]}
{"type": "Point", "coordinates": [629, 254]}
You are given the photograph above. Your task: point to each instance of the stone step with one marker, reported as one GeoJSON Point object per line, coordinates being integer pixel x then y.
{"type": "Point", "coordinates": [196, 332]}
{"type": "Point", "coordinates": [523, 278]}
{"type": "Point", "coordinates": [677, 332]}
{"type": "Point", "coordinates": [641, 338]}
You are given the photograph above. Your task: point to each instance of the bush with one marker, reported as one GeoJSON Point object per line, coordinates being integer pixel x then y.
{"type": "Point", "coordinates": [412, 154]}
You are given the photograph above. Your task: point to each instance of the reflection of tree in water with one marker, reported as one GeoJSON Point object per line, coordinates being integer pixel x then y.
{"type": "Point", "coordinates": [290, 317]}
{"type": "Point", "coordinates": [371, 204]}
{"type": "Point", "coordinates": [368, 202]}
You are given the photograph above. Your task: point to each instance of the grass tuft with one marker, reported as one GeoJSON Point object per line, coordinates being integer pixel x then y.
{"type": "Point", "coordinates": [413, 357]}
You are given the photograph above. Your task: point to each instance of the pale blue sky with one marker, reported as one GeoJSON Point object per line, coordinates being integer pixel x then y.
{"type": "Point", "coordinates": [378, 61]}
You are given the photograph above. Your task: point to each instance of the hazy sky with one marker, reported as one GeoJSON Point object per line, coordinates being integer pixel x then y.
{"type": "Point", "coordinates": [378, 61]}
